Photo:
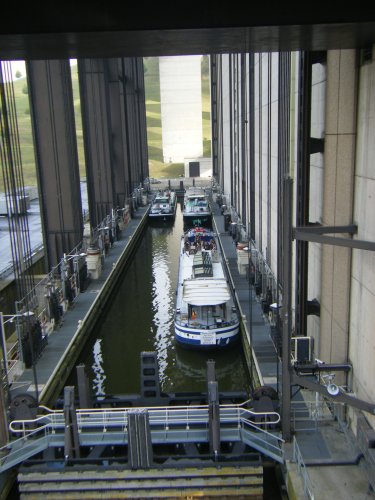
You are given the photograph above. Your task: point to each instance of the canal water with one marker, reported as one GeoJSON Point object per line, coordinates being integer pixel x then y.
{"type": "Point", "coordinates": [140, 318]}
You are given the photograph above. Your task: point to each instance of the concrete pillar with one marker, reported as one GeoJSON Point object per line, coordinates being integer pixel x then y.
{"type": "Point", "coordinates": [119, 142]}
{"type": "Point", "coordinates": [114, 131]}
{"type": "Point", "coordinates": [53, 123]}
{"type": "Point", "coordinates": [96, 127]}
{"type": "Point", "coordinates": [339, 163]}
{"type": "Point", "coordinates": [136, 126]}
{"type": "Point", "coordinates": [181, 107]}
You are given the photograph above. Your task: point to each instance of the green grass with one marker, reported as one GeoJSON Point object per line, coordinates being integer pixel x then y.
{"type": "Point", "coordinates": [153, 117]}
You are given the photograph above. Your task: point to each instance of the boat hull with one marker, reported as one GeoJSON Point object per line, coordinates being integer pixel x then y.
{"type": "Point", "coordinates": [193, 338]}
{"type": "Point", "coordinates": [162, 217]}
{"type": "Point", "coordinates": [163, 208]}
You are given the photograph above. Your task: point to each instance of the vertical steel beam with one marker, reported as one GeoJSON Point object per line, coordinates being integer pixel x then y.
{"type": "Point", "coordinates": [140, 98]}
{"type": "Point", "coordinates": [96, 127]}
{"type": "Point", "coordinates": [84, 395]}
{"type": "Point", "coordinates": [286, 311]}
{"type": "Point", "coordinates": [214, 418]}
{"type": "Point", "coordinates": [53, 125]}
{"type": "Point", "coordinates": [214, 113]}
{"type": "Point", "coordinates": [283, 148]}
{"type": "Point", "coordinates": [284, 90]}
{"type": "Point", "coordinates": [118, 139]}
{"type": "Point", "coordinates": [211, 376]}
{"type": "Point", "coordinates": [252, 145]}
{"type": "Point", "coordinates": [4, 433]}
{"type": "Point", "coordinates": [131, 121]}
{"type": "Point", "coordinates": [243, 124]}
{"type": "Point", "coordinates": [303, 189]}
{"type": "Point", "coordinates": [71, 446]}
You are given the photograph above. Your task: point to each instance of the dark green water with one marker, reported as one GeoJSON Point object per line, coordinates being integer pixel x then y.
{"type": "Point", "coordinates": [140, 318]}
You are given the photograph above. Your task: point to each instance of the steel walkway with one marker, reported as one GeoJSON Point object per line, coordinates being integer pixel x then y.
{"type": "Point", "coordinates": [181, 424]}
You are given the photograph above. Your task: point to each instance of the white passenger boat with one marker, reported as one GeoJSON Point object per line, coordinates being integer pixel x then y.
{"type": "Point", "coordinates": [163, 207]}
{"type": "Point", "coordinates": [206, 316]}
{"type": "Point", "coordinates": [196, 211]}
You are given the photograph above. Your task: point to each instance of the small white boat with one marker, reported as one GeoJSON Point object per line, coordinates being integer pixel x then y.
{"type": "Point", "coordinates": [206, 316]}
{"type": "Point", "coordinates": [196, 211]}
{"type": "Point", "coordinates": [163, 206]}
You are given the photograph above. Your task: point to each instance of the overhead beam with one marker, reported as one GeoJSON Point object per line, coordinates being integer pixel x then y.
{"type": "Point", "coordinates": [83, 38]}
{"type": "Point", "coordinates": [340, 398]}
{"type": "Point", "coordinates": [320, 229]}
{"type": "Point", "coordinates": [333, 240]}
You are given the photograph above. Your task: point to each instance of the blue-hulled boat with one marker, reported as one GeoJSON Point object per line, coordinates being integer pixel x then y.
{"type": "Point", "coordinates": [206, 316]}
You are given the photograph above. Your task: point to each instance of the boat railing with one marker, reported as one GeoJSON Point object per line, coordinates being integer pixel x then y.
{"type": "Point", "coordinates": [196, 323]}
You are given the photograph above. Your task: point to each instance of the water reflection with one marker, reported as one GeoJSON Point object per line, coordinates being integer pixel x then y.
{"type": "Point", "coordinates": [97, 368]}
{"type": "Point", "coordinates": [140, 318]}
{"type": "Point", "coordinates": [162, 298]}
{"type": "Point", "coordinates": [189, 370]}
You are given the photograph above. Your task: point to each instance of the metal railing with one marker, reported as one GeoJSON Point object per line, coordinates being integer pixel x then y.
{"type": "Point", "coordinates": [307, 415]}
{"type": "Point", "coordinates": [302, 470]}
{"type": "Point", "coordinates": [167, 424]}
{"type": "Point", "coordinates": [166, 416]}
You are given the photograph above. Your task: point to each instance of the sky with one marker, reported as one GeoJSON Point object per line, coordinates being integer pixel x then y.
{"type": "Point", "coordinates": [16, 66]}
{"type": "Point", "coordinates": [20, 66]}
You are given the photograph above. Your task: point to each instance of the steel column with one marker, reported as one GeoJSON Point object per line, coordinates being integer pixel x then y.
{"type": "Point", "coordinates": [96, 127]}
{"type": "Point", "coordinates": [53, 124]}
{"type": "Point", "coordinates": [84, 392]}
{"type": "Point", "coordinates": [118, 140]}
{"type": "Point", "coordinates": [71, 438]}
{"type": "Point", "coordinates": [286, 311]}
{"type": "Point", "coordinates": [303, 189]}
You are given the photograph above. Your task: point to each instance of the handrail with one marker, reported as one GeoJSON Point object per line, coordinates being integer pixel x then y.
{"type": "Point", "coordinates": [307, 484]}
{"type": "Point", "coordinates": [34, 435]}
{"type": "Point", "coordinates": [162, 415]}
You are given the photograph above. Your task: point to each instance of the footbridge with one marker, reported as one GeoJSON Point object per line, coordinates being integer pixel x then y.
{"type": "Point", "coordinates": [119, 426]}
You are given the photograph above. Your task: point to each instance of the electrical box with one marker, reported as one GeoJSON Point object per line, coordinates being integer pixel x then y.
{"type": "Point", "coordinates": [302, 349]}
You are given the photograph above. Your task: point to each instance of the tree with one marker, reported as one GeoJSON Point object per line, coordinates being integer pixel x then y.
{"type": "Point", "coordinates": [18, 74]}
{"type": "Point", "coordinates": [25, 90]}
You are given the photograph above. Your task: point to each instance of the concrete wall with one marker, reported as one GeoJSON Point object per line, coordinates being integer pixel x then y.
{"type": "Point", "coordinates": [181, 107]}
{"type": "Point", "coordinates": [340, 136]}
{"type": "Point", "coordinates": [362, 297]}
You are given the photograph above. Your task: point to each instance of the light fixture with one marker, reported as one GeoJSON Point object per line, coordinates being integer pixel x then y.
{"type": "Point", "coordinates": [333, 389]}
{"type": "Point", "coordinates": [274, 306]}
